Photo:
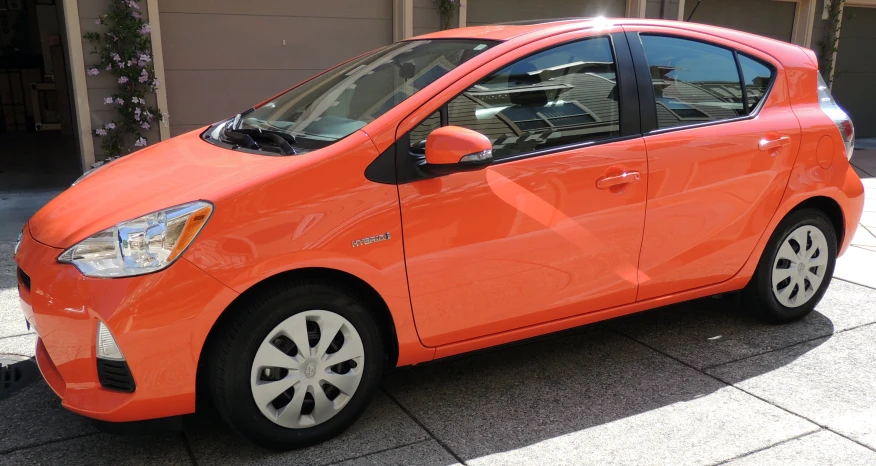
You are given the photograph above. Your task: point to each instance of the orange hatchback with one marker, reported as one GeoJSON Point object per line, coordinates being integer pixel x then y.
{"type": "Point", "coordinates": [440, 195]}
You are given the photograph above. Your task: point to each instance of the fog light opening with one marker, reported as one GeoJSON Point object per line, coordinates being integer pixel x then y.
{"type": "Point", "coordinates": [106, 344]}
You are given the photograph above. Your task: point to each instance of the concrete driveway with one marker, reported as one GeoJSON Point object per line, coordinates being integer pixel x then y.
{"type": "Point", "coordinates": [696, 383]}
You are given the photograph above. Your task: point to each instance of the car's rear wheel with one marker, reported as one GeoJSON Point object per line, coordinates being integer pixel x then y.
{"type": "Point", "coordinates": [795, 269]}
{"type": "Point", "coordinates": [296, 365]}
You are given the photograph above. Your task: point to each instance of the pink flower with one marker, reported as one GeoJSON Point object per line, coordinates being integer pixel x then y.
{"type": "Point", "coordinates": [108, 101]}
{"type": "Point", "coordinates": [116, 57]}
{"type": "Point", "coordinates": [135, 99]}
{"type": "Point", "coordinates": [148, 115]}
{"type": "Point", "coordinates": [137, 113]}
{"type": "Point", "coordinates": [145, 57]}
{"type": "Point", "coordinates": [93, 72]}
{"type": "Point", "coordinates": [143, 78]}
{"type": "Point", "coordinates": [137, 15]}
{"type": "Point", "coordinates": [98, 21]}
{"type": "Point", "coordinates": [146, 30]}
{"type": "Point", "coordinates": [119, 101]}
{"type": "Point", "coordinates": [145, 125]}
{"type": "Point", "coordinates": [133, 4]}
{"type": "Point", "coordinates": [100, 132]}
{"type": "Point", "coordinates": [109, 67]}
{"type": "Point", "coordinates": [155, 84]}
{"type": "Point", "coordinates": [123, 80]}
{"type": "Point", "coordinates": [141, 142]}
{"type": "Point", "coordinates": [110, 125]}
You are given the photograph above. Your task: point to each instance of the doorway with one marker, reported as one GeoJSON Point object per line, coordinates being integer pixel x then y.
{"type": "Point", "coordinates": [38, 145]}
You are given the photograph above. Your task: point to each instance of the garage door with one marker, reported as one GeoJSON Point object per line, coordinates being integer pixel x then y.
{"type": "Point", "coordinates": [764, 17]}
{"type": "Point", "coordinates": [856, 69]}
{"type": "Point", "coordinates": [501, 11]}
{"type": "Point", "coordinates": [223, 56]}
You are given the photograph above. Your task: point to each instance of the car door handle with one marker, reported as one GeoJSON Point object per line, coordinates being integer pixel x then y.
{"type": "Point", "coordinates": [609, 181]}
{"type": "Point", "coordinates": [770, 144]}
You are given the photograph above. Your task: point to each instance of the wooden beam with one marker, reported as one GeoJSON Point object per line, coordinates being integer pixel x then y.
{"type": "Point", "coordinates": [80, 87]}
{"type": "Point", "coordinates": [158, 63]}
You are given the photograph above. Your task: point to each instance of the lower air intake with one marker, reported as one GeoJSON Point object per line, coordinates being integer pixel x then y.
{"type": "Point", "coordinates": [115, 375]}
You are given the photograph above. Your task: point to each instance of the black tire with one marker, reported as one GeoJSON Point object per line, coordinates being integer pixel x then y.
{"type": "Point", "coordinates": [758, 296]}
{"type": "Point", "coordinates": [240, 337]}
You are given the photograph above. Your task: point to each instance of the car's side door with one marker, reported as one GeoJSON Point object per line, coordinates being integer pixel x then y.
{"type": "Point", "coordinates": [552, 228]}
{"type": "Point", "coordinates": [721, 142]}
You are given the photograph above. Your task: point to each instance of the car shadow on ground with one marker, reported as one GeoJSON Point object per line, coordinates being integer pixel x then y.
{"type": "Point", "coordinates": [633, 369]}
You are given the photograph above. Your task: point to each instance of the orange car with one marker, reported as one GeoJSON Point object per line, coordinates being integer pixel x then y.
{"type": "Point", "coordinates": [440, 195]}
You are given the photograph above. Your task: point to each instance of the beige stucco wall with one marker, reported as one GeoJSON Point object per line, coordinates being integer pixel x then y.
{"type": "Point", "coordinates": [769, 18]}
{"type": "Point", "coordinates": [104, 84]}
{"type": "Point", "coordinates": [496, 11]}
{"type": "Point", "coordinates": [223, 56]}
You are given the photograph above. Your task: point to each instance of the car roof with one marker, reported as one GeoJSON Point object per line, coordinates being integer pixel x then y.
{"type": "Point", "coordinates": [537, 29]}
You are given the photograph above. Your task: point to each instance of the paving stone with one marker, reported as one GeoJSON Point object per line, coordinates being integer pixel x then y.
{"type": "Point", "coordinates": [383, 426]}
{"type": "Point", "coordinates": [427, 453]}
{"type": "Point", "coordinates": [818, 449]}
{"type": "Point", "coordinates": [589, 398]}
{"type": "Point", "coordinates": [710, 331]}
{"type": "Point", "coordinates": [24, 345]}
{"type": "Point", "coordinates": [857, 266]}
{"type": "Point", "coordinates": [34, 416]}
{"type": "Point", "coordinates": [105, 449]}
{"type": "Point", "coordinates": [831, 381]}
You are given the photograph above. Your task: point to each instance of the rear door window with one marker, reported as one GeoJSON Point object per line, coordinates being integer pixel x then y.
{"type": "Point", "coordinates": [695, 82]}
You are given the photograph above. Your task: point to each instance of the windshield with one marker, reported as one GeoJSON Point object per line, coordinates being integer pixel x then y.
{"type": "Point", "coordinates": [343, 100]}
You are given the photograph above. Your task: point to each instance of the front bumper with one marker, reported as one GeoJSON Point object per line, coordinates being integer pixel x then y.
{"type": "Point", "coordinates": [160, 321]}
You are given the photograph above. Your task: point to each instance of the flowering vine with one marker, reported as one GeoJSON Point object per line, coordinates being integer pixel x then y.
{"type": "Point", "coordinates": [125, 52]}
{"type": "Point", "coordinates": [446, 8]}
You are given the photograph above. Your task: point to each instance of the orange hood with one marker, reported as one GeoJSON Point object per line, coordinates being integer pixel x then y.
{"type": "Point", "coordinates": [174, 172]}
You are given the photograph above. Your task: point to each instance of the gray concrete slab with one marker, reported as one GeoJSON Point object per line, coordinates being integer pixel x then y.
{"type": "Point", "coordinates": [821, 448]}
{"type": "Point", "coordinates": [34, 416]}
{"type": "Point", "coordinates": [383, 426]}
{"type": "Point", "coordinates": [426, 453]}
{"type": "Point", "coordinates": [100, 449]}
{"type": "Point", "coordinates": [712, 331]}
{"type": "Point", "coordinates": [23, 345]}
{"type": "Point", "coordinates": [11, 318]}
{"type": "Point", "coordinates": [588, 398]}
{"type": "Point", "coordinates": [831, 381]}
{"type": "Point", "coordinates": [16, 207]}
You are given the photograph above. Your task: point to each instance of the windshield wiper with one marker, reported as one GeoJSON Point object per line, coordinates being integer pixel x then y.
{"type": "Point", "coordinates": [246, 137]}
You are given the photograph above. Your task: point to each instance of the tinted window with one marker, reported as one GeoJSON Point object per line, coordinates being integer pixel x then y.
{"type": "Point", "coordinates": [564, 95]}
{"type": "Point", "coordinates": [693, 82]}
{"type": "Point", "coordinates": [343, 100]}
{"type": "Point", "coordinates": [757, 79]}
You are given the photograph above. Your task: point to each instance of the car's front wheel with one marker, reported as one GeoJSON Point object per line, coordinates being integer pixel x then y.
{"type": "Point", "coordinates": [795, 269]}
{"type": "Point", "coordinates": [296, 365]}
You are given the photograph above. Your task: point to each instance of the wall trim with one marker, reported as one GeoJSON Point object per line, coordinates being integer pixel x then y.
{"type": "Point", "coordinates": [463, 13]}
{"type": "Point", "coordinates": [402, 19]}
{"type": "Point", "coordinates": [635, 8]}
{"type": "Point", "coordinates": [76, 56]}
{"type": "Point", "coordinates": [804, 19]}
{"type": "Point", "coordinates": [158, 63]}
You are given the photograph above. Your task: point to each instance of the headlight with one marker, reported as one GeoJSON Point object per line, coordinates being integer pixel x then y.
{"type": "Point", "coordinates": [139, 246]}
{"type": "Point", "coordinates": [17, 244]}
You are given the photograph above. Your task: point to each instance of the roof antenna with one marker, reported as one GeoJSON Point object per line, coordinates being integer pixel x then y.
{"type": "Point", "coordinates": [694, 10]}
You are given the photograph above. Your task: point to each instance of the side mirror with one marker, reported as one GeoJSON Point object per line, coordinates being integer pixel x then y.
{"type": "Point", "coordinates": [452, 149]}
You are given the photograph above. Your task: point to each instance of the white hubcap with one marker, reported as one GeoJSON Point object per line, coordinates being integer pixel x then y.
{"type": "Point", "coordinates": [800, 266]}
{"type": "Point", "coordinates": [307, 369]}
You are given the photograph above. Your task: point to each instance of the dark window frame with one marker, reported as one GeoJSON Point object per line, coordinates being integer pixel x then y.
{"type": "Point", "coordinates": [646, 88]}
